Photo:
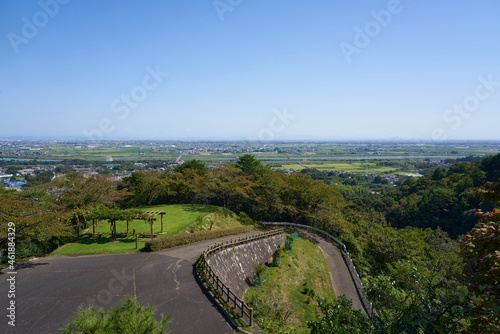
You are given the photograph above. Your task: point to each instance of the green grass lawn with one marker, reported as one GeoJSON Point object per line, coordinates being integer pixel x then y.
{"type": "Point", "coordinates": [288, 288]}
{"type": "Point", "coordinates": [355, 167]}
{"type": "Point", "coordinates": [177, 217]}
{"type": "Point", "coordinates": [219, 219]}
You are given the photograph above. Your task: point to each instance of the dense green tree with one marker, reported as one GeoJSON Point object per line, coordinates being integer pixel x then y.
{"type": "Point", "coordinates": [491, 166]}
{"type": "Point", "coordinates": [195, 165]}
{"type": "Point", "coordinates": [339, 317]}
{"type": "Point", "coordinates": [80, 192]}
{"type": "Point", "coordinates": [35, 218]}
{"type": "Point", "coordinates": [442, 199]}
{"type": "Point", "coordinates": [39, 179]}
{"type": "Point", "coordinates": [478, 176]}
{"type": "Point", "coordinates": [145, 187]}
{"type": "Point", "coordinates": [439, 174]}
{"type": "Point", "coordinates": [187, 186]}
{"type": "Point", "coordinates": [12, 170]}
{"type": "Point", "coordinates": [63, 169]}
{"type": "Point", "coordinates": [480, 250]}
{"type": "Point", "coordinates": [249, 165]}
{"type": "Point", "coordinates": [229, 186]}
{"type": "Point", "coordinates": [415, 311]}
{"type": "Point", "coordinates": [460, 168]}
{"type": "Point", "coordinates": [266, 197]}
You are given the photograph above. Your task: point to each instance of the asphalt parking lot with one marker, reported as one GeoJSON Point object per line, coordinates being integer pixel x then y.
{"type": "Point", "coordinates": [50, 290]}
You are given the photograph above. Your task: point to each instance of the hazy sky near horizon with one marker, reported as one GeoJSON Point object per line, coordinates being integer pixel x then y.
{"type": "Point", "coordinates": [241, 69]}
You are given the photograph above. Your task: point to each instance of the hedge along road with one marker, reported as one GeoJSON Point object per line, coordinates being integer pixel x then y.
{"type": "Point", "coordinates": [50, 290]}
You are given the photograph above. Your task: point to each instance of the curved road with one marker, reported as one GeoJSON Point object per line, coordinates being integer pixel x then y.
{"type": "Point", "coordinates": [50, 290]}
{"type": "Point", "coordinates": [341, 278]}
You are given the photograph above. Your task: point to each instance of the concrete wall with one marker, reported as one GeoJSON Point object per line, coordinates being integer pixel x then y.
{"type": "Point", "coordinates": [235, 266]}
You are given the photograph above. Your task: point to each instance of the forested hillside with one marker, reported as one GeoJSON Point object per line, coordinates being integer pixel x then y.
{"type": "Point", "coordinates": [446, 198]}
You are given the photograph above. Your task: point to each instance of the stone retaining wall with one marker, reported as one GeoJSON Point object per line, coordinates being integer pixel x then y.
{"type": "Point", "coordinates": [235, 266]}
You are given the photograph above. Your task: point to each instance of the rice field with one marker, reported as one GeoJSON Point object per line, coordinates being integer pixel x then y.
{"type": "Point", "coordinates": [353, 167]}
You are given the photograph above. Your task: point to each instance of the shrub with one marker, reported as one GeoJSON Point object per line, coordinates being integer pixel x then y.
{"type": "Point", "coordinates": [289, 243]}
{"type": "Point", "coordinates": [244, 218]}
{"type": "Point", "coordinates": [27, 249]}
{"type": "Point", "coordinates": [339, 317]}
{"type": "Point", "coordinates": [186, 239]}
{"type": "Point", "coordinates": [130, 317]}
{"type": "Point", "coordinates": [260, 275]}
{"type": "Point", "coordinates": [277, 258]}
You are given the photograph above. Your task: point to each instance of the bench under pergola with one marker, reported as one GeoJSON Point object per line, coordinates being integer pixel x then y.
{"type": "Point", "coordinates": [151, 219]}
{"type": "Point", "coordinates": [147, 216]}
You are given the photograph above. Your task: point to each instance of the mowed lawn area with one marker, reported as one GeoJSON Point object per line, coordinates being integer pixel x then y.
{"type": "Point", "coordinates": [177, 217]}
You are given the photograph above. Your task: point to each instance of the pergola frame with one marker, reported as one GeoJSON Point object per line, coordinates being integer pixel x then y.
{"type": "Point", "coordinates": [152, 218]}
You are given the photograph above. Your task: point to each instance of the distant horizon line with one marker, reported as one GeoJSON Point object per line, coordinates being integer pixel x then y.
{"type": "Point", "coordinates": [228, 139]}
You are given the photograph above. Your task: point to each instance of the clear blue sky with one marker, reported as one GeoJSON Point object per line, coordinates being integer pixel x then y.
{"type": "Point", "coordinates": [421, 71]}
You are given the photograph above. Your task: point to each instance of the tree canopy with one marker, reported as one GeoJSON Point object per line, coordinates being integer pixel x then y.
{"type": "Point", "coordinates": [249, 165]}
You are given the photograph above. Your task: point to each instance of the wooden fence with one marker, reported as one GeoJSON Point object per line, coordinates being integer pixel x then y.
{"type": "Point", "coordinates": [226, 295]}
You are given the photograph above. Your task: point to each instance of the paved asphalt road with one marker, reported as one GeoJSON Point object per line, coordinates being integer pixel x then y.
{"type": "Point", "coordinates": [50, 290]}
{"type": "Point", "coordinates": [339, 273]}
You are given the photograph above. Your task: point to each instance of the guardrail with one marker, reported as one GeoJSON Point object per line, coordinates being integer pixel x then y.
{"type": "Point", "coordinates": [367, 305]}
{"type": "Point", "coordinates": [226, 295]}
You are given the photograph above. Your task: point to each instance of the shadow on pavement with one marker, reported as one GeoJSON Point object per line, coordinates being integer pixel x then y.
{"type": "Point", "coordinates": [24, 265]}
